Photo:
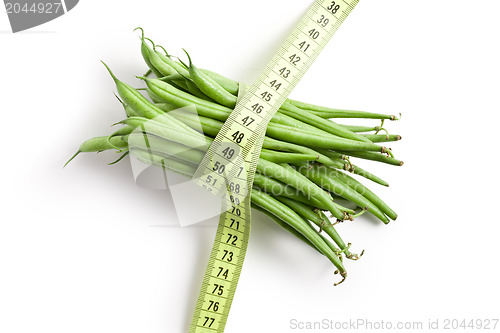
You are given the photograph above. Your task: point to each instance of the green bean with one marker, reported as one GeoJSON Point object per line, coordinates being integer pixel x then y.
{"type": "Point", "coordinates": [301, 183]}
{"type": "Point", "coordinates": [128, 110]}
{"type": "Point", "coordinates": [274, 144]}
{"type": "Point", "coordinates": [168, 60]}
{"type": "Point", "coordinates": [137, 102]}
{"type": "Point", "coordinates": [367, 155]}
{"type": "Point", "coordinates": [229, 85]}
{"type": "Point", "coordinates": [361, 129]}
{"type": "Point", "coordinates": [277, 188]}
{"type": "Point", "coordinates": [327, 241]}
{"type": "Point", "coordinates": [165, 148]}
{"type": "Point", "coordinates": [131, 112]}
{"type": "Point", "coordinates": [180, 84]}
{"type": "Point", "coordinates": [210, 87]}
{"type": "Point", "coordinates": [173, 77]}
{"type": "Point", "coordinates": [301, 137]}
{"type": "Point", "coordinates": [170, 163]}
{"type": "Point", "coordinates": [174, 96]}
{"type": "Point", "coordinates": [122, 131]}
{"type": "Point", "coordinates": [161, 67]}
{"type": "Point", "coordinates": [382, 137]}
{"type": "Point", "coordinates": [307, 213]}
{"type": "Point", "coordinates": [286, 214]}
{"type": "Point", "coordinates": [145, 55]}
{"type": "Point", "coordinates": [285, 226]}
{"type": "Point", "coordinates": [340, 161]}
{"type": "Point", "coordinates": [194, 90]}
{"type": "Point", "coordinates": [167, 107]}
{"type": "Point", "coordinates": [322, 178]}
{"type": "Point", "coordinates": [326, 125]}
{"type": "Point", "coordinates": [186, 84]}
{"type": "Point", "coordinates": [99, 144]}
{"type": "Point", "coordinates": [364, 191]}
{"type": "Point", "coordinates": [363, 173]}
{"type": "Point", "coordinates": [284, 119]}
{"type": "Point", "coordinates": [170, 133]}
{"type": "Point", "coordinates": [280, 157]}
{"type": "Point", "coordinates": [207, 126]}
{"type": "Point", "coordinates": [325, 112]}
{"type": "Point", "coordinates": [155, 99]}
{"type": "Point", "coordinates": [140, 105]}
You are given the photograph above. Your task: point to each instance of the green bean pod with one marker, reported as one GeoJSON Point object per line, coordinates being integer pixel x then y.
{"type": "Point", "coordinates": [277, 188]}
{"type": "Point", "coordinates": [322, 178]}
{"type": "Point", "coordinates": [382, 137]}
{"type": "Point", "coordinates": [326, 125]}
{"type": "Point", "coordinates": [286, 214]}
{"type": "Point", "coordinates": [99, 144]}
{"type": "Point", "coordinates": [301, 183]}
{"type": "Point", "coordinates": [308, 213]}
{"type": "Point", "coordinates": [301, 137]}
{"type": "Point", "coordinates": [210, 87]}
{"type": "Point", "coordinates": [280, 157]}
{"type": "Point", "coordinates": [274, 144]}
{"type": "Point", "coordinates": [170, 133]}
{"type": "Point", "coordinates": [170, 94]}
{"type": "Point", "coordinates": [325, 112]}
{"type": "Point", "coordinates": [364, 191]}
{"type": "Point", "coordinates": [361, 129]}
{"type": "Point", "coordinates": [368, 155]}
{"type": "Point", "coordinates": [231, 86]}
{"type": "Point", "coordinates": [145, 55]}
{"type": "Point", "coordinates": [285, 226]}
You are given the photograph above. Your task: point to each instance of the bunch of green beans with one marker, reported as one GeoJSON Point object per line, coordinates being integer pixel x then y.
{"type": "Point", "coordinates": [304, 166]}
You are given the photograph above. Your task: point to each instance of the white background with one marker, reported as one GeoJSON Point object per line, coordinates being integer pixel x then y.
{"type": "Point", "coordinates": [84, 249]}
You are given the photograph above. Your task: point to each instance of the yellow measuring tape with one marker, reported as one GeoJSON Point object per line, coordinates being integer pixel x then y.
{"type": "Point", "coordinates": [229, 166]}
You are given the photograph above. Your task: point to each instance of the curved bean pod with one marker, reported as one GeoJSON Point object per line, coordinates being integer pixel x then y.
{"type": "Point", "coordinates": [322, 178]}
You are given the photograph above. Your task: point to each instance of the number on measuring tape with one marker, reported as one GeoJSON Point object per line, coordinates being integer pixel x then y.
{"type": "Point", "coordinates": [313, 33]}
{"type": "Point", "coordinates": [247, 121]}
{"type": "Point", "coordinates": [323, 21]}
{"type": "Point", "coordinates": [275, 84]}
{"type": "Point", "coordinates": [294, 59]}
{"type": "Point", "coordinates": [285, 72]}
{"type": "Point", "coordinates": [334, 7]}
{"type": "Point", "coordinates": [266, 96]}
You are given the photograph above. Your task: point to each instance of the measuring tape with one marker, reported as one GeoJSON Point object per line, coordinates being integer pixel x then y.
{"type": "Point", "coordinates": [229, 166]}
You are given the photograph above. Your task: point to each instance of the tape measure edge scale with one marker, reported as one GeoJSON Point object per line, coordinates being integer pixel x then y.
{"type": "Point", "coordinates": [218, 306]}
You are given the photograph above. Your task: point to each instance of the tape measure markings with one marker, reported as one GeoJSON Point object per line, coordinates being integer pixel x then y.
{"type": "Point", "coordinates": [232, 158]}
